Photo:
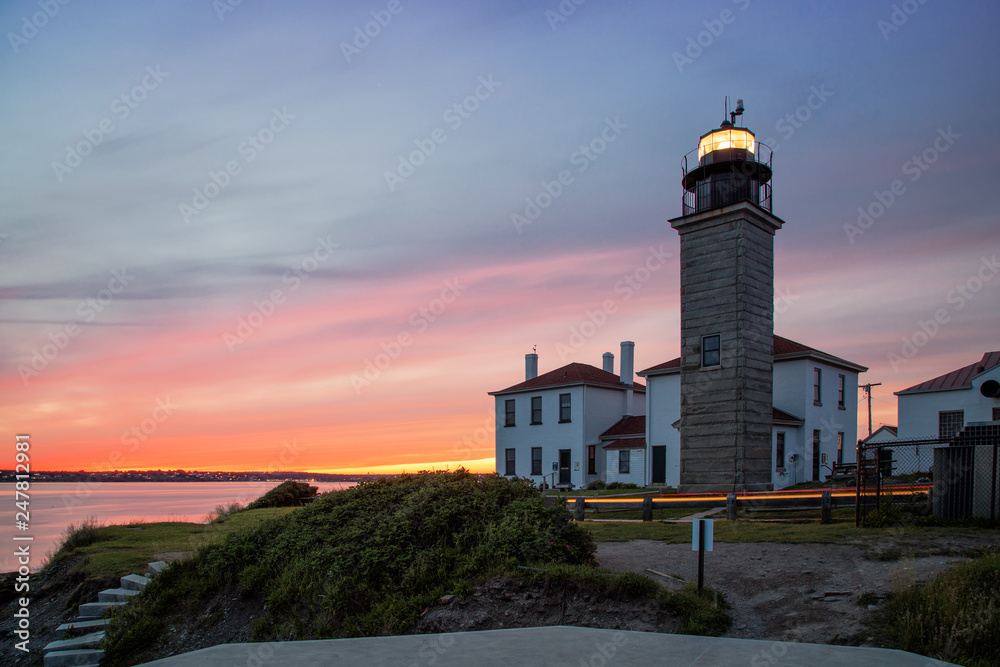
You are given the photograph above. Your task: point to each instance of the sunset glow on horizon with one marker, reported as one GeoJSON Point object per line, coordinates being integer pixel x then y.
{"type": "Point", "coordinates": [278, 254]}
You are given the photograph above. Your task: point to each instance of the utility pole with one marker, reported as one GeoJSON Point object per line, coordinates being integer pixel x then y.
{"type": "Point", "coordinates": [868, 392]}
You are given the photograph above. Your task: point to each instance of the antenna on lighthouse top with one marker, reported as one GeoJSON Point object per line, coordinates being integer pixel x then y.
{"type": "Point", "coordinates": [736, 112]}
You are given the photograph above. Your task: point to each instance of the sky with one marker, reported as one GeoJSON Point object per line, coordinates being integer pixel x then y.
{"type": "Point", "coordinates": [313, 236]}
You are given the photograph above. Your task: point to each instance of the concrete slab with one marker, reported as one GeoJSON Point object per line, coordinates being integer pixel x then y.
{"type": "Point", "coordinates": [97, 609]}
{"type": "Point", "coordinates": [80, 658]}
{"type": "Point", "coordinates": [156, 567]}
{"type": "Point", "coordinates": [116, 594]}
{"type": "Point", "coordinates": [135, 582]}
{"type": "Point", "coordinates": [91, 640]}
{"type": "Point", "coordinates": [82, 626]}
{"type": "Point", "coordinates": [547, 646]}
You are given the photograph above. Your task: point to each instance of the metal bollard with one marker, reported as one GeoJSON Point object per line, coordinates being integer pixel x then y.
{"type": "Point", "coordinates": [826, 507]}
{"type": "Point", "coordinates": [580, 508]}
{"type": "Point", "coordinates": [647, 509]}
{"type": "Point", "coordinates": [731, 507]}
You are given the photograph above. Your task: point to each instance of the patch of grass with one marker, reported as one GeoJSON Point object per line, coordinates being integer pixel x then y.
{"type": "Point", "coordinates": [632, 493]}
{"type": "Point", "coordinates": [954, 617]}
{"type": "Point", "coordinates": [98, 553]}
{"type": "Point", "coordinates": [87, 533]}
{"type": "Point", "coordinates": [783, 533]}
{"type": "Point", "coordinates": [700, 613]}
{"type": "Point", "coordinates": [366, 560]}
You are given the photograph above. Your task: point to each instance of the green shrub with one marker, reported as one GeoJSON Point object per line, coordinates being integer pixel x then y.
{"type": "Point", "coordinates": [622, 485]}
{"type": "Point", "coordinates": [596, 485]}
{"type": "Point", "coordinates": [369, 559]}
{"type": "Point", "coordinates": [286, 494]}
{"type": "Point", "coordinates": [955, 617]}
{"type": "Point", "coordinates": [87, 533]}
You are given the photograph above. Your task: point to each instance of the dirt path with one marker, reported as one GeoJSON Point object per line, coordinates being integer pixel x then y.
{"type": "Point", "coordinates": [797, 592]}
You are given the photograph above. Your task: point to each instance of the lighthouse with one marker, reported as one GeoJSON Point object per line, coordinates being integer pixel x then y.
{"type": "Point", "coordinates": [727, 311]}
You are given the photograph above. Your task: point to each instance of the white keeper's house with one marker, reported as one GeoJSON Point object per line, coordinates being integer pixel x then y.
{"type": "Point", "coordinates": [549, 427]}
{"type": "Point", "coordinates": [584, 423]}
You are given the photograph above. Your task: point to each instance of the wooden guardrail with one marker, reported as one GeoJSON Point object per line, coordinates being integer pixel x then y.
{"type": "Point", "coordinates": [825, 500]}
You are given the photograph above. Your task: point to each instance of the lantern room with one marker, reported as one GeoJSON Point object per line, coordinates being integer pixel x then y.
{"type": "Point", "coordinates": [729, 166]}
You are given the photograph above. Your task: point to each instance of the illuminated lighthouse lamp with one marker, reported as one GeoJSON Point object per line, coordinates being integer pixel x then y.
{"type": "Point", "coordinates": [732, 166]}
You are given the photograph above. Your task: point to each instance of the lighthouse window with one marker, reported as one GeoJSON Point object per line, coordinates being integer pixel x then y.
{"type": "Point", "coordinates": [711, 351]}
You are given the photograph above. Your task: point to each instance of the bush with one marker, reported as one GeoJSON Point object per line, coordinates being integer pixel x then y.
{"type": "Point", "coordinates": [596, 485]}
{"type": "Point", "coordinates": [286, 494]}
{"type": "Point", "coordinates": [368, 560]}
{"type": "Point", "coordinates": [86, 534]}
{"type": "Point", "coordinates": [954, 617]}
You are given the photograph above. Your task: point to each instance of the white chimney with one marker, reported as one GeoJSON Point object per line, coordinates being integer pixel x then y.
{"type": "Point", "coordinates": [628, 363]}
{"type": "Point", "coordinates": [530, 366]}
{"type": "Point", "coordinates": [609, 362]}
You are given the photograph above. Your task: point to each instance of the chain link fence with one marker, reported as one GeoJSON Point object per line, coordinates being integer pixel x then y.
{"type": "Point", "coordinates": [955, 479]}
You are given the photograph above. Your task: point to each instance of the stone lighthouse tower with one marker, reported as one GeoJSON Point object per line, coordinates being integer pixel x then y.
{"type": "Point", "coordinates": [727, 312]}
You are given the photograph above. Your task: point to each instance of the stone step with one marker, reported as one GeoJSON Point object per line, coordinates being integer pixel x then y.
{"type": "Point", "coordinates": [157, 567]}
{"type": "Point", "coordinates": [81, 626]}
{"type": "Point", "coordinates": [116, 594]}
{"type": "Point", "coordinates": [135, 582]}
{"type": "Point", "coordinates": [97, 609]}
{"type": "Point", "coordinates": [76, 658]}
{"type": "Point", "coordinates": [92, 640]}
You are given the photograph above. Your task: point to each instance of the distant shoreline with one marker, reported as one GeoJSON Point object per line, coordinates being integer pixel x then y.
{"type": "Point", "coordinates": [8, 476]}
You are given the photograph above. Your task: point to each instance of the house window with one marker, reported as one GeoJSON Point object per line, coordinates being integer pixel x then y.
{"type": "Point", "coordinates": [840, 446]}
{"type": "Point", "coordinates": [564, 411]}
{"type": "Point", "coordinates": [623, 461]}
{"type": "Point", "coordinates": [779, 450]}
{"type": "Point", "coordinates": [841, 385]}
{"type": "Point", "coordinates": [996, 414]}
{"type": "Point", "coordinates": [509, 470]}
{"type": "Point", "coordinates": [592, 460]}
{"type": "Point", "coordinates": [710, 351]}
{"type": "Point", "coordinates": [536, 409]}
{"type": "Point", "coordinates": [508, 408]}
{"type": "Point", "coordinates": [817, 381]}
{"type": "Point", "coordinates": [536, 460]}
{"type": "Point", "coordinates": [816, 456]}
{"type": "Point", "coordinates": [950, 423]}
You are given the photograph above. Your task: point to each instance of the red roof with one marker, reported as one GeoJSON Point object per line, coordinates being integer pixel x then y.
{"type": "Point", "coordinates": [627, 443]}
{"type": "Point", "coordinates": [627, 425]}
{"type": "Point", "coordinates": [784, 349]}
{"type": "Point", "coordinates": [571, 374]}
{"type": "Point", "coordinates": [957, 379]}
